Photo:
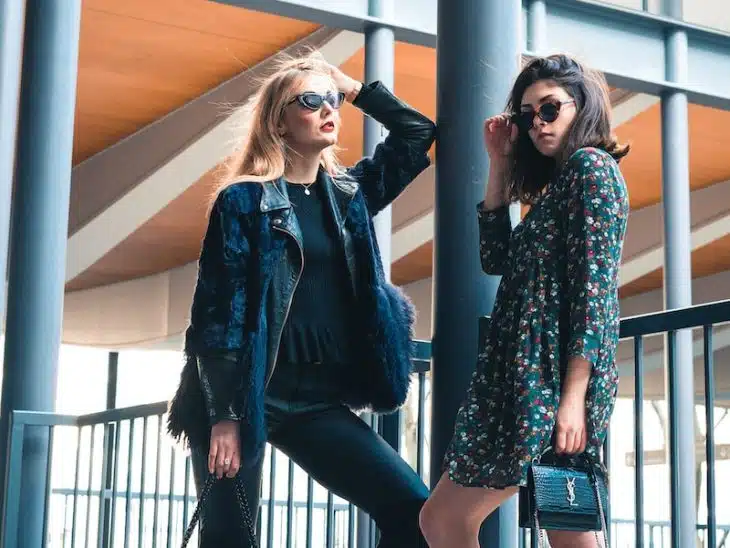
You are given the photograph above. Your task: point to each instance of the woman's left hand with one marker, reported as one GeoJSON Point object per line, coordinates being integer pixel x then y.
{"type": "Point", "coordinates": [570, 427]}
{"type": "Point", "coordinates": [349, 86]}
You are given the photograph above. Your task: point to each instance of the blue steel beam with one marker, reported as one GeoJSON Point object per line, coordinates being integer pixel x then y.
{"type": "Point", "coordinates": [628, 45]}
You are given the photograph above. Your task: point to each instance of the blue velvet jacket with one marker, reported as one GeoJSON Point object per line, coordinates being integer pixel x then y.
{"type": "Point", "coordinates": [250, 262]}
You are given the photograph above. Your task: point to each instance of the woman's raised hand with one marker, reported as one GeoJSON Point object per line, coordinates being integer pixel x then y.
{"type": "Point", "coordinates": [500, 135]}
{"type": "Point", "coordinates": [349, 86]}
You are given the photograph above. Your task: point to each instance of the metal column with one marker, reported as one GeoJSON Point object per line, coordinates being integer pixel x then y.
{"type": "Point", "coordinates": [678, 284]}
{"type": "Point", "coordinates": [536, 26]}
{"type": "Point", "coordinates": [379, 65]}
{"type": "Point", "coordinates": [478, 47]}
{"type": "Point", "coordinates": [38, 244]}
{"type": "Point", "coordinates": [11, 52]}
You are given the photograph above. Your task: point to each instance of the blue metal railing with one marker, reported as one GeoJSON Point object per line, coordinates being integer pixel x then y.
{"type": "Point", "coordinates": [120, 483]}
{"type": "Point", "coordinates": [706, 317]}
{"type": "Point", "coordinates": [65, 498]}
{"type": "Point", "coordinates": [126, 486]}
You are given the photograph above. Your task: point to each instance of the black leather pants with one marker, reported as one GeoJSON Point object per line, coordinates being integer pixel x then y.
{"type": "Point", "coordinates": [336, 448]}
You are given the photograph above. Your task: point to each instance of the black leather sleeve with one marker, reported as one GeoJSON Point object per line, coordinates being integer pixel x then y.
{"type": "Point", "coordinates": [398, 160]}
{"type": "Point", "coordinates": [218, 381]}
{"type": "Point", "coordinates": [399, 118]}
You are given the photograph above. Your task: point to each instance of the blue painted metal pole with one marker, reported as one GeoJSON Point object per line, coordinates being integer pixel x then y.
{"type": "Point", "coordinates": [678, 284]}
{"type": "Point", "coordinates": [379, 65]}
{"type": "Point", "coordinates": [38, 244]}
{"type": "Point", "coordinates": [536, 26]}
{"type": "Point", "coordinates": [11, 52]}
{"type": "Point", "coordinates": [12, 16]}
{"type": "Point", "coordinates": [477, 60]}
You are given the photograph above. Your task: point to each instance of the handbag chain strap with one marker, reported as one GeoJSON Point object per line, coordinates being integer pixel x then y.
{"type": "Point", "coordinates": [541, 539]}
{"type": "Point", "coordinates": [242, 504]}
{"type": "Point", "coordinates": [601, 514]}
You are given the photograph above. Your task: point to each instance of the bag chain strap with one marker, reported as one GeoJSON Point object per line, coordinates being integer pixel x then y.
{"type": "Point", "coordinates": [242, 504]}
{"type": "Point", "coordinates": [541, 539]}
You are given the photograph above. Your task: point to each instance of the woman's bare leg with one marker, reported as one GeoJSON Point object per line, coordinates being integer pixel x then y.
{"type": "Point", "coordinates": [453, 514]}
{"type": "Point", "coordinates": [573, 539]}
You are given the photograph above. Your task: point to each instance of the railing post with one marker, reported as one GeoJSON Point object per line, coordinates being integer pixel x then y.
{"type": "Point", "coordinates": [109, 449]}
{"type": "Point", "coordinates": [678, 284]}
{"type": "Point", "coordinates": [478, 47]}
{"type": "Point", "coordinates": [39, 233]}
{"type": "Point", "coordinates": [379, 65]}
{"type": "Point", "coordinates": [10, 518]}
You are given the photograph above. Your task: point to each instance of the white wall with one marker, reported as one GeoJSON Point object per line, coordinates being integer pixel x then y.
{"type": "Point", "coordinates": [420, 293]}
{"type": "Point", "coordinates": [708, 13]}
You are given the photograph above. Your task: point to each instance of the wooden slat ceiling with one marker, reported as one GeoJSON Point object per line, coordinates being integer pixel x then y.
{"type": "Point", "coordinates": [140, 60]}
{"type": "Point", "coordinates": [707, 260]}
{"type": "Point", "coordinates": [709, 164]}
{"type": "Point", "coordinates": [708, 152]}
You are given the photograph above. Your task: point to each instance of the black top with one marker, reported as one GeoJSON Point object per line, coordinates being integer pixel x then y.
{"type": "Point", "coordinates": [317, 329]}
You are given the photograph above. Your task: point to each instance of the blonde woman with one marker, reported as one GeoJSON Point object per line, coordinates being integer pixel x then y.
{"type": "Point", "coordinates": [293, 324]}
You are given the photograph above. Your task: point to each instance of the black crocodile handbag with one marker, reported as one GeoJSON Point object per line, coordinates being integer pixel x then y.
{"type": "Point", "coordinates": [242, 505]}
{"type": "Point", "coordinates": [568, 494]}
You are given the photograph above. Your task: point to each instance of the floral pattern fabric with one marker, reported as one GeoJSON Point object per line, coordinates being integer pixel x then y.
{"type": "Point", "coordinates": [558, 298]}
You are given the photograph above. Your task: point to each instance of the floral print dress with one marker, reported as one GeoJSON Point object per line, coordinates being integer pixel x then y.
{"type": "Point", "coordinates": [558, 298]}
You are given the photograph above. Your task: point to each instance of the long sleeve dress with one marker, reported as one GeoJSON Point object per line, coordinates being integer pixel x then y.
{"type": "Point", "coordinates": [558, 298]}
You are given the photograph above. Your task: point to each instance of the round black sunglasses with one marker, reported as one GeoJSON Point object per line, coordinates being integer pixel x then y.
{"type": "Point", "coordinates": [548, 112]}
{"type": "Point", "coordinates": [314, 101]}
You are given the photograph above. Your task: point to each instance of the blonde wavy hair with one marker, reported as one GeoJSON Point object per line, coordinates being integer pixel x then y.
{"type": "Point", "coordinates": [262, 154]}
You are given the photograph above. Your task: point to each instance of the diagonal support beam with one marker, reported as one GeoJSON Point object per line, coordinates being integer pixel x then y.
{"type": "Point", "coordinates": [653, 259]}
{"type": "Point", "coordinates": [645, 252]}
{"type": "Point", "coordinates": [113, 196]}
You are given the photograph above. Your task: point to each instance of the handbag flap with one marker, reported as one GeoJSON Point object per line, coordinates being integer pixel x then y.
{"type": "Point", "coordinates": [565, 490]}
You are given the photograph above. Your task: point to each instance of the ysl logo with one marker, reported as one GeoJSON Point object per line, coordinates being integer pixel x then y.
{"type": "Point", "coordinates": [570, 485]}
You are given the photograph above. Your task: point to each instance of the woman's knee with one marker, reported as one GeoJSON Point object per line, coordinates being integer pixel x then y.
{"type": "Point", "coordinates": [441, 524]}
{"type": "Point", "coordinates": [454, 513]}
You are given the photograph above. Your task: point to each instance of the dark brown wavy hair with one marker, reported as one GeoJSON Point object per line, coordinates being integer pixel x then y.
{"type": "Point", "coordinates": [530, 171]}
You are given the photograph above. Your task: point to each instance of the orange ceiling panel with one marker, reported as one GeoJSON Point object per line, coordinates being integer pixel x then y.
{"type": "Point", "coordinates": [141, 59]}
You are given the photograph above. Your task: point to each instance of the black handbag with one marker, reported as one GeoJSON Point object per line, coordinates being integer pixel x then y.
{"type": "Point", "coordinates": [564, 493]}
{"type": "Point", "coordinates": [242, 505]}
